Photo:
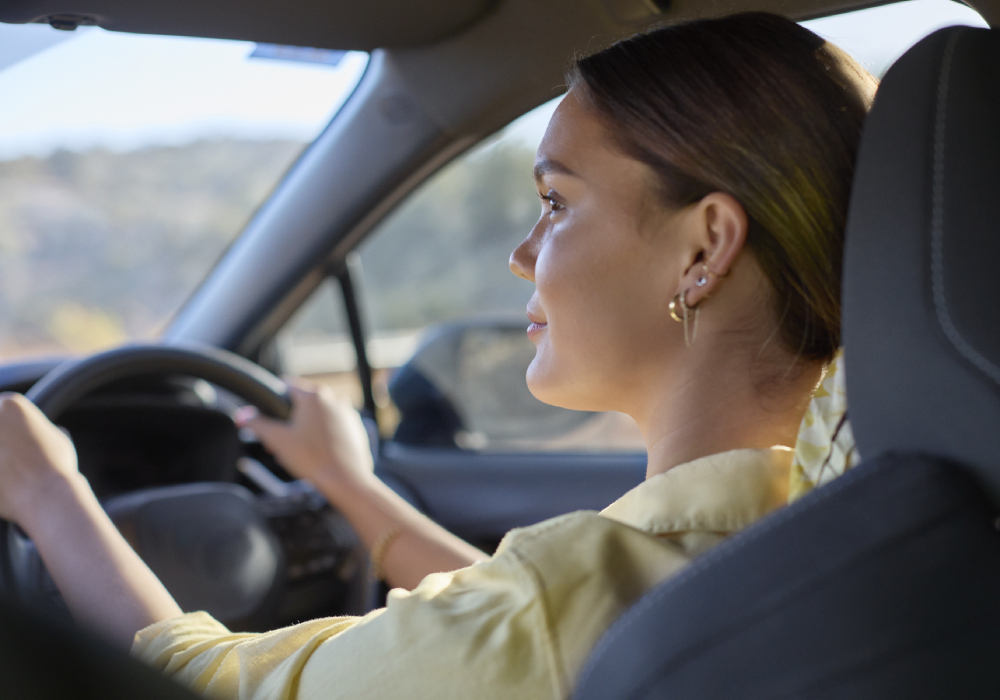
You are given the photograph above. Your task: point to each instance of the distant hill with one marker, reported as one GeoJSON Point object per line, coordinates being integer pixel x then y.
{"type": "Point", "coordinates": [100, 246]}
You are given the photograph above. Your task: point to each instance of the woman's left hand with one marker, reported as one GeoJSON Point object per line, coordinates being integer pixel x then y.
{"type": "Point", "coordinates": [35, 456]}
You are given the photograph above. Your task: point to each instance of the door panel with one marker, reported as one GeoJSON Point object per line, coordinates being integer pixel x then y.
{"type": "Point", "coordinates": [480, 496]}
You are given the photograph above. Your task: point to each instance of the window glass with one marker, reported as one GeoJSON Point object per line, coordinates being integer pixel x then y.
{"type": "Point", "coordinates": [316, 344]}
{"type": "Point", "coordinates": [128, 163]}
{"type": "Point", "coordinates": [877, 36]}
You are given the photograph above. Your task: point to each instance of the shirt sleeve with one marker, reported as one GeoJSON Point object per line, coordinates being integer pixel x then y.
{"type": "Point", "coordinates": [478, 632]}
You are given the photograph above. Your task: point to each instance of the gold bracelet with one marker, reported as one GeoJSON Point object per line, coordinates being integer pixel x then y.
{"type": "Point", "coordinates": [377, 553]}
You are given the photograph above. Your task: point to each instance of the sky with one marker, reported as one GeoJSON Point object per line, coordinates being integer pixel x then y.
{"type": "Point", "coordinates": [124, 91]}
{"type": "Point", "coordinates": [95, 88]}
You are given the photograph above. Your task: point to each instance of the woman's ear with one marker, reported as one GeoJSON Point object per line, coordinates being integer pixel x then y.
{"type": "Point", "coordinates": [722, 227]}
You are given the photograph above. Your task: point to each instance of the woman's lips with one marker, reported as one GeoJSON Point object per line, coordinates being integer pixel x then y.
{"type": "Point", "coordinates": [538, 322]}
{"type": "Point", "coordinates": [535, 328]}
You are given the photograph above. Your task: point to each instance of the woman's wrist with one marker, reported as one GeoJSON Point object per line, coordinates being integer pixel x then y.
{"type": "Point", "coordinates": [341, 489]}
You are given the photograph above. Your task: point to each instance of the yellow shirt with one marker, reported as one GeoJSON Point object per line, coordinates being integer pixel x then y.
{"type": "Point", "coordinates": [519, 625]}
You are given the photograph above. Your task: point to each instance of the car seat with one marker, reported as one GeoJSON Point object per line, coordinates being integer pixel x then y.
{"type": "Point", "coordinates": [884, 583]}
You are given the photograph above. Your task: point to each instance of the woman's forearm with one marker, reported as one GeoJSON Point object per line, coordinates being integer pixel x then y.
{"type": "Point", "coordinates": [416, 545]}
{"type": "Point", "coordinates": [104, 582]}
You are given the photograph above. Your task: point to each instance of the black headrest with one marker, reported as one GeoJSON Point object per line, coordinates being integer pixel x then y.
{"type": "Point", "coordinates": [922, 265]}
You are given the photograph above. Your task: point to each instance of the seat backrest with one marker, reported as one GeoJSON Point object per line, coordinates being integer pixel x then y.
{"type": "Point", "coordinates": [922, 265]}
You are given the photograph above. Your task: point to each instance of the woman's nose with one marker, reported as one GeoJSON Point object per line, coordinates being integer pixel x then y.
{"type": "Point", "coordinates": [522, 260]}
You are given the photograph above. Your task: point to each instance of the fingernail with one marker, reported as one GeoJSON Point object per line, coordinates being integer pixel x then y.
{"type": "Point", "coordinates": [244, 414]}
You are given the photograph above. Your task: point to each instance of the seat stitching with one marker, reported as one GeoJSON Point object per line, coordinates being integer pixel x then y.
{"type": "Point", "coordinates": [937, 224]}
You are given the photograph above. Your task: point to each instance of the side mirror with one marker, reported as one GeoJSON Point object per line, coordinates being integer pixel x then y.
{"type": "Point", "coordinates": [465, 388]}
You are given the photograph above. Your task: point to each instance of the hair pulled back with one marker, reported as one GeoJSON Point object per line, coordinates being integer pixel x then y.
{"type": "Point", "coordinates": [764, 110]}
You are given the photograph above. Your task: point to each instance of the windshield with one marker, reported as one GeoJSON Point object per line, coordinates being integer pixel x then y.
{"type": "Point", "coordinates": [128, 164]}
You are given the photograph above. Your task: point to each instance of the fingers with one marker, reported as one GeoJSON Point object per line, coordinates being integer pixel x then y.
{"type": "Point", "coordinates": [275, 434]}
{"type": "Point", "coordinates": [263, 427]}
{"type": "Point", "coordinates": [17, 412]}
{"type": "Point", "coordinates": [244, 415]}
{"type": "Point", "coordinates": [251, 417]}
{"type": "Point", "coordinates": [14, 405]}
{"type": "Point", "coordinates": [298, 385]}
{"type": "Point", "coordinates": [305, 399]}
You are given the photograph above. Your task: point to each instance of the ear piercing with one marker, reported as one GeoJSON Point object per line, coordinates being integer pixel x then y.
{"type": "Point", "coordinates": [702, 279]}
{"type": "Point", "coordinates": [682, 313]}
{"type": "Point", "coordinates": [679, 303]}
{"type": "Point", "coordinates": [676, 303]}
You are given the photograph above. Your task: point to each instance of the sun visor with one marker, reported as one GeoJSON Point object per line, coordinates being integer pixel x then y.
{"type": "Point", "coordinates": [334, 24]}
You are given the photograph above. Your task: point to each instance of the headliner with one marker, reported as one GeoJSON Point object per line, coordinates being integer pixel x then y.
{"type": "Point", "coordinates": [364, 26]}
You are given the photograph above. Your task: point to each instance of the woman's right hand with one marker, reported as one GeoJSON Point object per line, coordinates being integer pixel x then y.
{"type": "Point", "coordinates": [35, 457]}
{"type": "Point", "coordinates": [323, 440]}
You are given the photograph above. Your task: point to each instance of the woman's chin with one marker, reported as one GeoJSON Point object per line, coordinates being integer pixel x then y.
{"type": "Point", "coordinates": [540, 384]}
{"type": "Point", "coordinates": [548, 387]}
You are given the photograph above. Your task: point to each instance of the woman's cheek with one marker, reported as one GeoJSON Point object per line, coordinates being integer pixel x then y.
{"type": "Point", "coordinates": [546, 274]}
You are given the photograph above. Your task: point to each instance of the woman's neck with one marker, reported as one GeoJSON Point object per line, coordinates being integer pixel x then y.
{"type": "Point", "coordinates": [731, 406]}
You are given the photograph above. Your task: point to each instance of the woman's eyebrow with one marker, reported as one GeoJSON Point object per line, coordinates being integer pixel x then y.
{"type": "Point", "coordinates": [547, 165]}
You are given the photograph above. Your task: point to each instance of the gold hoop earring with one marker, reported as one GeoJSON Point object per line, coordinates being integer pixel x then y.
{"type": "Point", "coordinates": [686, 312]}
{"type": "Point", "coordinates": [675, 304]}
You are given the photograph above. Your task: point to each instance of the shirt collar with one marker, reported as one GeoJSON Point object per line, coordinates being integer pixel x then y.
{"type": "Point", "coordinates": [720, 493]}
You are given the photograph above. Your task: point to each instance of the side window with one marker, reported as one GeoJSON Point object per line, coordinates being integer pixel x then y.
{"type": "Point", "coordinates": [445, 318]}
{"type": "Point", "coordinates": [877, 36]}
{"type": "Point", "coordinates": [316, 343]}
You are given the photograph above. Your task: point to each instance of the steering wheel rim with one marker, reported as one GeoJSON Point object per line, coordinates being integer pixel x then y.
{"type": "Point", "coordinates": [73, 379]}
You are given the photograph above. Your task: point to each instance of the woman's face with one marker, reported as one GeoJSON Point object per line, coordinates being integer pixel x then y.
{"type": "Point", "coordinates": [602, 257]}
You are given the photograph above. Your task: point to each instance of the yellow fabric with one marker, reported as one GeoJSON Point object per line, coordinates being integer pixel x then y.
{"type": "Point", "coordinates": [519, 625]}
{"type": "Point", "coordinates": [825, 446]}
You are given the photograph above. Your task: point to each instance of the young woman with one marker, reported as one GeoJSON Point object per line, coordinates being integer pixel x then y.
{"type": "Point", "coordinates": [694, 186]}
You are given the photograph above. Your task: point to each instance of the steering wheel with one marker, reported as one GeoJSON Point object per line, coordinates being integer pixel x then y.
{"type": "Point", "coordinates": [214, 545]}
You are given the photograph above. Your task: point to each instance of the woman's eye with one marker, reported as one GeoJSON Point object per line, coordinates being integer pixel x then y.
{"type": "Point", "coordinates": [553, 204]}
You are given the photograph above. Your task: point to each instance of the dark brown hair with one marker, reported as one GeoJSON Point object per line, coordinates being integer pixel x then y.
{"type": "Point", "coordinates": [761, 108]}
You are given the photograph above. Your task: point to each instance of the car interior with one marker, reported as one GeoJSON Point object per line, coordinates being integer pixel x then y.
{"type": "Point", "coordinates": [879, 584]}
